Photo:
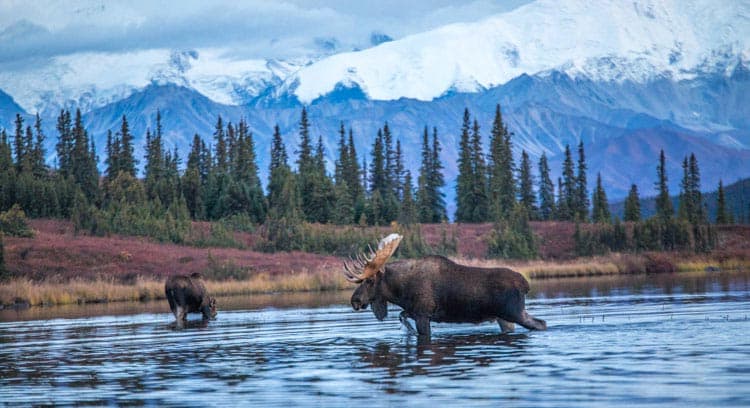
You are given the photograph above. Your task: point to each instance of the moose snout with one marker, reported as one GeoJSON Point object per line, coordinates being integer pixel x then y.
{"type": "Point", "coordinates": [358, 305]}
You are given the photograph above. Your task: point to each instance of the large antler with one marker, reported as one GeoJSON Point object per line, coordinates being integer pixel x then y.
{"type": "Point", "coordinates": [370, 265]}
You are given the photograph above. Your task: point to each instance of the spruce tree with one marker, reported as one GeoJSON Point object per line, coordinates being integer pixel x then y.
{"type": "Point", "coordinates": [352, 171]}
{"type": "Point", "coordinates": [695, 196]}
{"type": "Point", "coordinates": [633, 205]}
{"type": "Point", "coordinates": [526, 196]}
{"type": "Point", "coordinates": [379, 185]}
{"type": "Point", "coordinates": [437, 181]}
{"type": "Point", "coordinates": [546, 191]}
{"type": "Point", "coordinates": [220, 147]}
{"type": "Point", "coordinates": [19, 144]}
{"type": "Point", "coordinates": [249, 198]}
{"type": "Point", "coordinates": [390, 189]}
{"type": "Point", "coordinates": [307, 174]}
{"type": "Point", "coordinates": [561, 208]}
{"type": "Point", "coordinates": [233, 146]}
{"type": "Point", "coordinates": [323, 192]}
{"type": "Point", "coordinates": [424, 207]}
{"type": "Point", "coordinates": [568, 188]}
{"type": "Point", "coordinates": [39, 167]}
{"type": "Point", "coordinates": [155, 167]}
{"type": "Point", "coordinates": [343, 208]}
{"type": "Point", "coordinates": [83, 161]}
{"type": "Point", "coordinates": [7, 173]}
{"type": "Point", "coordinates": [192, 183]}
{"type": "Point", "coordinates": [600, 206]}
{"type": "Point", "coordinates": [353, 176]}
{"type": "Point", "coordinates": [581, 190]}
{"type": "Point", "coordinates": [398, 171]}
{"type": "Point", "coordinates": [464, 203]}
{"type": "Point", "coordinates": [430, 201]}
{"type": "Point", "coordinates": [685, 210]}
{"type": "Point", "coordinates": [112, 161]}
{"type": "Point", "coordinates": [283, 193]}
{"type": "Point", "coordinates": [341, 164]}
{"type": "Point", "coordinates": [377, 177]}
{"type": "Point", "coordinates": [664, 209]}
{"type": "Point", "coordinates": [27, 163]}
{"type": "Point", "coordinates": [501, 167]}
{"type": "Point", "coordinates": [126, 160]}
{"type": "Point", "coordinates": [479, 180]}
{"type": "Point", "coordinates": [722, 215]}
{"type": "Point", "coordinates": [64, 145]}
{"type": "Point", "coordinates": [390, 159]}
{"type": "Point", "coordinates": [343, 211]}
{"type": "Point", "coordinates": [408, 211]}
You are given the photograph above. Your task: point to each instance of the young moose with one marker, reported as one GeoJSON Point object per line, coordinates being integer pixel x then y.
{"type": "Point", "coordinates": [436, 289]}
{"type": "Point", "coordinates": [187, 294]}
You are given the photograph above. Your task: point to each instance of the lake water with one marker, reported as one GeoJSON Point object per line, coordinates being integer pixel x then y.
{"type": "Point", "coordinates": [667, 340]}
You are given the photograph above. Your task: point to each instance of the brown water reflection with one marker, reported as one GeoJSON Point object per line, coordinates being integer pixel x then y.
{"type": "Point", "coordinates": [453, 350]}
{"type": "Point", "coordinates": [245, 302]}
{"type": "Point", "coordinates": [666, 283]}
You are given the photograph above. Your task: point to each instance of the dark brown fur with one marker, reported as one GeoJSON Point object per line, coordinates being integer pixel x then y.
{"type": "Point", "coordinates": [187, 294]}
{"type": "Point", "coordinates": [436, 289]}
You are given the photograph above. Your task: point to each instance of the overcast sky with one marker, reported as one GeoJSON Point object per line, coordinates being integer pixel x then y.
{"type": "Point", "coordinates": [250, 29]}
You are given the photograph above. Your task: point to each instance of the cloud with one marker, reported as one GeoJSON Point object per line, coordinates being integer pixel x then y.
{"type": "Point", "coordinates": [251, 29]}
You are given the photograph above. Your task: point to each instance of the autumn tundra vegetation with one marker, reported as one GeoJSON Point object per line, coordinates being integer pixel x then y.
{"type": "Point", "coordinates": [73, 234]}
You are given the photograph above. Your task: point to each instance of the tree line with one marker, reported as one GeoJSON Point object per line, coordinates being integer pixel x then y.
{"type": "Point", "coordinates": [220, 180]}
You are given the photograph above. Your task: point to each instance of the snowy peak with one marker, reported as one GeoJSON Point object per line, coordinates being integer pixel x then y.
{"type": "Point", "coordinates": [92, 80]}
{"type": "Point", "coordinates": [609, 40]}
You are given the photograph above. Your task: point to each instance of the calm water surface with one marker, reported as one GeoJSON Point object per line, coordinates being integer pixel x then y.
{"type": "Point", "coordinates": [667, 340]}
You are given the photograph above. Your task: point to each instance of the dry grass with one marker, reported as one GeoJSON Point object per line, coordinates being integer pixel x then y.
{"type": "Point", "coordinates": [78, 291]}
{"type": "Point", "coordinates": [57, 267]}
{"type": "Point", "coordinates": [607, 265]}
{"type": "Point", "coordinates": [613, 264]}
{"type": "Point", "coordinates": [107, 290]}
{"type": "Point", "coordinates": [706, 264]}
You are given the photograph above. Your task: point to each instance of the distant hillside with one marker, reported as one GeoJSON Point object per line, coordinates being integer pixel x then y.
{"type": "Point", "coordinates": [737, 196]}
{"type": "Point", "coordinates": [8, 110]}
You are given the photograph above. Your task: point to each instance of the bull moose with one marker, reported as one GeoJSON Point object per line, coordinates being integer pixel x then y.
{"type": "Point", "coordinates": [435, 288]}
{"type": "Point", "coordinates": [187, 294]}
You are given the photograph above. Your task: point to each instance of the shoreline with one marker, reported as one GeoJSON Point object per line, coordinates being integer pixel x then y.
{"type": "Point", "coordinates": [22, 292]}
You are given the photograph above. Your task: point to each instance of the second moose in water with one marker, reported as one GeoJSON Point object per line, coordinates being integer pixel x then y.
{"type": "Point", "coordinates": [187, 294]}
{"type": "Point", "coordinates": [436, 289]}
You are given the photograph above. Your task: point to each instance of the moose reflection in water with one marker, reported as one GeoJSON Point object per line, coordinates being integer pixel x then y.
{"type": "Point", "coordinates": [436, 289]}
{"type": "Point", "coordinates": [188, 294]}
{"type": "Point", "coordinates": [411, 359]}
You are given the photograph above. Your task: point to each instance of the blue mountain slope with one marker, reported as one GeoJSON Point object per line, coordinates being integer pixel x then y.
{"type": "Point", "coordinates": [8, 110]}
{"type": "Point", "coordinates": [545, 112]}
{"type": "Point", "coordinates": [184, 112]}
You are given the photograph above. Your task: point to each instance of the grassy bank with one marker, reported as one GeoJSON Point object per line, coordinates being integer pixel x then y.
{"type": "Point", "coordinates": [24, 291]}
{"type": "Point", "coordinates": [56, 266]}
{"type": "Point", "coordinates": [617, 264]}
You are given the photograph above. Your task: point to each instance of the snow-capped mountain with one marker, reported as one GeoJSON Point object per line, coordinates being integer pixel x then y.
{"type": "Point", "coordinates": [624, 77]}
{"type": "Point", "coordinates": [609, 40]}
{"type": "Point", "coordinates": [91, 81]}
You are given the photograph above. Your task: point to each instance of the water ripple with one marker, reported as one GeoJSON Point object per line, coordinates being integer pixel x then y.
{"type": "Point", "coordinates": [678, 349]}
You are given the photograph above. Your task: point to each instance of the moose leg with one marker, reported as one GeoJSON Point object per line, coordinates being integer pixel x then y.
{"type": "Point", "coordinates": [423, 327]}
{"type": "Point", "coordinates": [181, 313]}
{"type": "Point", "coordinates": [404, 318]}
{"type": "Point", "coordinates": [506, 326]}
{"type": "Point", "coordinates": [532, 323]}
